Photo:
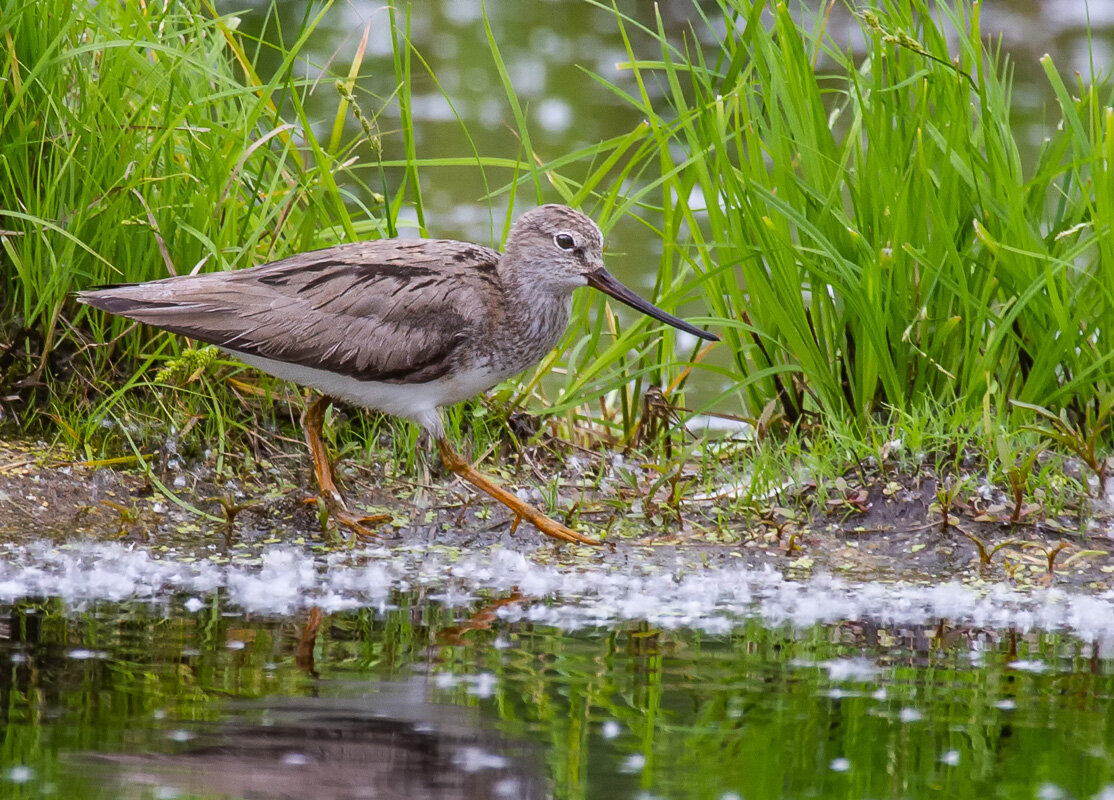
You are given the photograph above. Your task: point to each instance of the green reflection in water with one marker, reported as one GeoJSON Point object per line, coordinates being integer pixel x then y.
{"type": "Point", "coordinates": [419, 698]}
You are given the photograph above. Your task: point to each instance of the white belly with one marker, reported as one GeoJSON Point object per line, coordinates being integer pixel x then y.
{"type": "Point", "coordinates": [415, 401]}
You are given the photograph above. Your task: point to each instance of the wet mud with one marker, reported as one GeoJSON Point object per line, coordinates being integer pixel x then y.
{"type": "Point", "coordinates": [886, 530]}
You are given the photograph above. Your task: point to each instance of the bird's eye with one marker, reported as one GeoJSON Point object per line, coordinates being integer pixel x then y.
{"type": "Point", "coordinates": [564, 241]}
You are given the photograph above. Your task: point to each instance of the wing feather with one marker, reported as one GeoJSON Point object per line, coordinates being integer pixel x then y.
{"type": "Point", "coordinates": [393, 310]}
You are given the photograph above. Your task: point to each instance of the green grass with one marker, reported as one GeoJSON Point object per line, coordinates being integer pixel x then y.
{"type": "Point", "coordinates": [860, 227]}
{"type": "Point", "coordinates": [867, 233]}
{"type": "Point", "coordinates": [139, 142]}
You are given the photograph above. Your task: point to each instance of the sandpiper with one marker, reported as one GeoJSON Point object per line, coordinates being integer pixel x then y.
{"type": "Point", "coordinates": [401, 326]}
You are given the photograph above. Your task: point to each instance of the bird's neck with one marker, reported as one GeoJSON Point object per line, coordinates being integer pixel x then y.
{"type": "Point", "coordinates": [535, 321]}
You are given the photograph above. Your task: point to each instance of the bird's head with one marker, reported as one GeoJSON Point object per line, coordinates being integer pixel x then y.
{"type": "Point", "coordinates": [561, 248]}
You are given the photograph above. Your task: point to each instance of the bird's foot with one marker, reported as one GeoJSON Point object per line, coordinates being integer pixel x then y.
{"type": "Point", "coordinates": [522, 510]}
{"type": "Point", "coordinates": [357, 523]}
{"type": "Point", "coordinates": [336, 510]}
{"type": "Point", "coordinates": [313, 419]}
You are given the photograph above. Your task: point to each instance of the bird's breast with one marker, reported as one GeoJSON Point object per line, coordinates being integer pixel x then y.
{"type": "Point", "coordinates": [530, 331]}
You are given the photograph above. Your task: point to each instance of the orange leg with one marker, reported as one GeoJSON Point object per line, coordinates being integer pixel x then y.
{"type": "Point", "coordinates": [550, 527]}
{"type": "Point", "coordinates": [307, 640]}
{"type": "Point", "coordinates": [312, 420]}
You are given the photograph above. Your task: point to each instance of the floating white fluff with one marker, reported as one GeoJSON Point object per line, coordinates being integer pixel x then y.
{"type": "Point", "coordinates": [668, 593]}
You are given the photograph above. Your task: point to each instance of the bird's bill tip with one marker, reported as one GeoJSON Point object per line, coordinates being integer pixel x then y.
{"type": "Point", "coordinates": [604, 281]}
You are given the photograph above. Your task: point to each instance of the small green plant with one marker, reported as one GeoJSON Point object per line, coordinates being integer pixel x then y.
{"type": "Point", "coordinates": [1083, 438]}
{"type": "Point", "coordinates": [230, 509]}
{"type": "Point", "coordinates": [1018, 465]}
{"type": "Point", "coordinates": [1050, 553]}
{"type": "Point", "coordinates": [130, 520]}
{"type": "Point", "coordinates": [986, 552]}
{"type": "Point", "coordinates": [947, 495]}
{"type": "Point", "coordinates": [188, 365]}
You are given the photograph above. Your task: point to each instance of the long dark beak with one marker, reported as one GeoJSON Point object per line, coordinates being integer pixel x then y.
{"type": "Point", "coordinates": [604, 281]}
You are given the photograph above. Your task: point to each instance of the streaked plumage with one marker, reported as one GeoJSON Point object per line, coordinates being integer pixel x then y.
{"type": "Point", "coordinates": [402, 326]}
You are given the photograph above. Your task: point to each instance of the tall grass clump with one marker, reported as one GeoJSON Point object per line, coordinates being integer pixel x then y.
{"type": "Point", "coordinates": [863, 222]}
{"type": "Point", "coordinates": [137, 141]}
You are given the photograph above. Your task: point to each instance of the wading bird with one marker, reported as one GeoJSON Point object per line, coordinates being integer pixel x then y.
{"type": "Point", "coordinates": [401, 326]}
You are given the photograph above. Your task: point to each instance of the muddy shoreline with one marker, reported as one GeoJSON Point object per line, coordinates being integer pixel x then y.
{"type": "Point", "coordinates": [889, 529]}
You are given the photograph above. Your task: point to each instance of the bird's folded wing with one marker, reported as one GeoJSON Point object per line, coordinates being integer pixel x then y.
{"type": "Point", "coordinates": [390, 310]}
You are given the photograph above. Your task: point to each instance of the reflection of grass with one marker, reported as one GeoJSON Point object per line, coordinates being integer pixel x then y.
{"type": "Point", "coordinates": [859, 228]}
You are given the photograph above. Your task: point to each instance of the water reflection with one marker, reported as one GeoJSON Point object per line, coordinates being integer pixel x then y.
{"type": "Point", "coordinates": [375, 740]}
{"type": "Point", "coordinates": [421, 700]}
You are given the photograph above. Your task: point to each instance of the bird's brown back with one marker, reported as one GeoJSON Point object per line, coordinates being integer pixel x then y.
{"type": "Point", "coordinates": [394, 310]}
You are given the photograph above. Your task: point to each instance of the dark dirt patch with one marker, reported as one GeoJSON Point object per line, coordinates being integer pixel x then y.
{"type": "Point", "coordinates": [885, 530]}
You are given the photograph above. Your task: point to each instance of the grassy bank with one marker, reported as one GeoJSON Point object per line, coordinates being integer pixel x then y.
{"type": "Point", "coordinates": [865, 221]}
{"type": "Point", "coordinates": [860, 226]}
{"type": "Point", "coordinates": [139, 141]}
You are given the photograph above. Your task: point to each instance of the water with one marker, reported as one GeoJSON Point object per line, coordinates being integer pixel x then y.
{"type": "Point", "coordinates": [275, 671]}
